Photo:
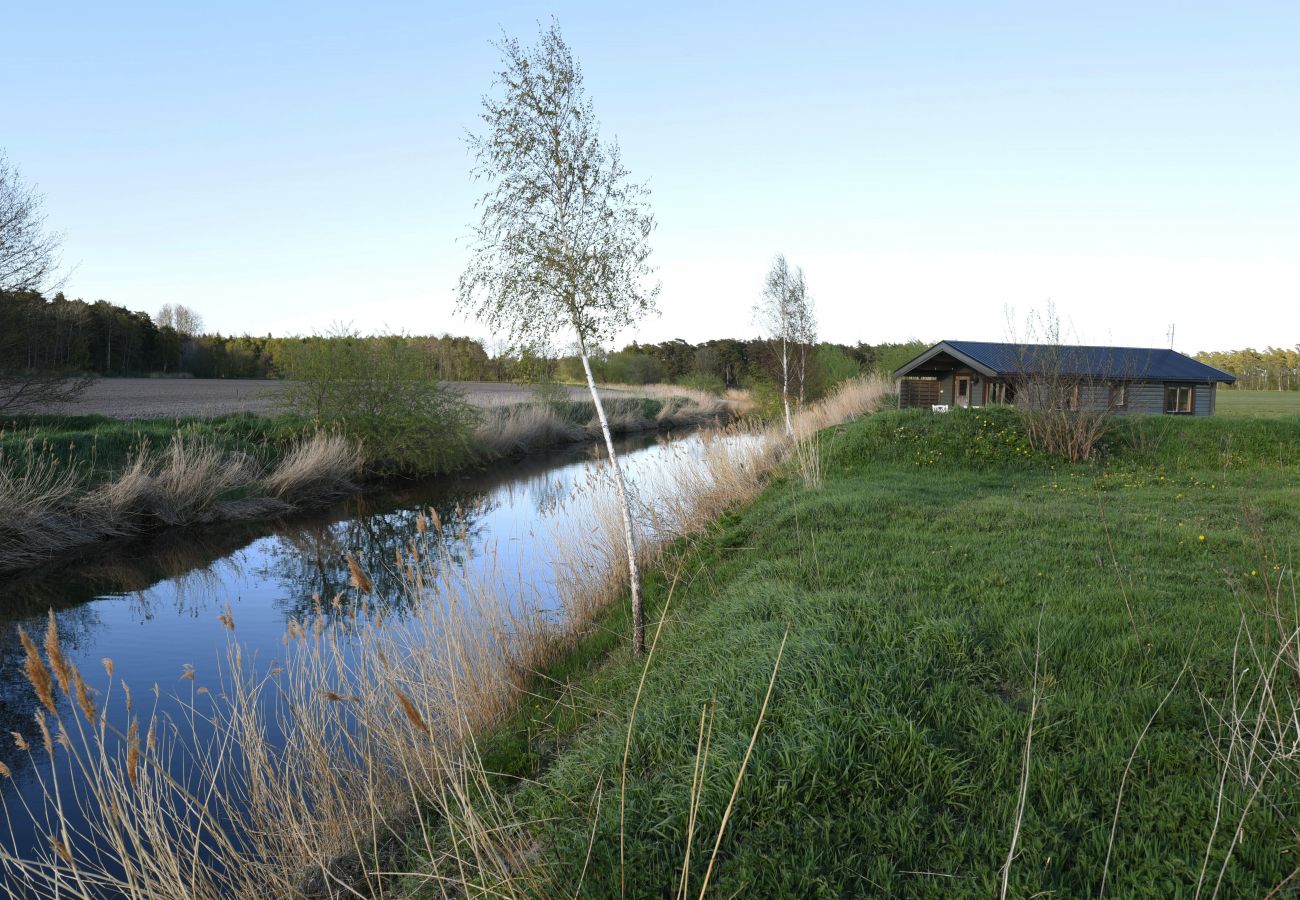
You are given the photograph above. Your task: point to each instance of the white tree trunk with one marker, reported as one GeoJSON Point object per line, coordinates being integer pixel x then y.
{"type": "Point", "coordinates": [803, 371]}
{"type": "Point", "coordinates": [629, 536]}
{"type": "Point", "coordinates": [785, 385]}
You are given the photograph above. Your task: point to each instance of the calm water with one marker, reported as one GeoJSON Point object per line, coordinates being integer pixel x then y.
{"type": "Point", "coordinates": [152, 606]}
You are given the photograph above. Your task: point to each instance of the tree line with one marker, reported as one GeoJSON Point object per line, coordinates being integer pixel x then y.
{"type": "Point", "coordinates": [57, 334]}
{"type": "Point", "coordinates": [1272, 369]}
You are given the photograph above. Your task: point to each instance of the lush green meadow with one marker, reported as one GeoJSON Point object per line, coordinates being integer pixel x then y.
{"type": "Point", "coordinates": [103, 446]}
{"type": "Point", "coordinates": [1258, 403]}
{"type": "Point", "coordinates": [945, 591]}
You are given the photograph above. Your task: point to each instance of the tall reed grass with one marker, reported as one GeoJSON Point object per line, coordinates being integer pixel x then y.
{"type": "Point", "coordinates": [511, 429]}
{"type": "Point", "coordinates": [313, 775]}
{"type": "Point", "coordinates": [48, 506]}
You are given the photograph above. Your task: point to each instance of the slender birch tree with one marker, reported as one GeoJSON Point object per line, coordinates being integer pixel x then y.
{"type": "Point", "coordinates": [562, 240]}
{"type": "Point", "coordinates": [783, 315]}
{"type": "Point", "coordinates": [805, 327]}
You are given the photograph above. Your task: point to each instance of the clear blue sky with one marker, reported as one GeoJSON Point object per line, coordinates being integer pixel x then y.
{"type": "Point", "coordinates": [283, 166]}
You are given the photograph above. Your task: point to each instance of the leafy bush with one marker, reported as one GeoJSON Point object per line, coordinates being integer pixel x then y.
{"type": "Point", "coordinates": [385, 393]}
{"type": "Point", "coordinates": [830, 366]}
{"type": "Point", "coordinates": [552, 393]}
{"type": "Point", "coordinates": [766, 399]}
{"type": "Point", "coordinates": [701, 382]}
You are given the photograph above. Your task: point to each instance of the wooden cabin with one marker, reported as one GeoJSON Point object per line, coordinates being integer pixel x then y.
{"type": "Point", "coordinates": [1125, 380]}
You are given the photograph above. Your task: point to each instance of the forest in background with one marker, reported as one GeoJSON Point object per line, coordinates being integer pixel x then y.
{"type": "Point", "coordinates": [58, 334]}
{"type": "Point", "coordinates": [1271, 369]}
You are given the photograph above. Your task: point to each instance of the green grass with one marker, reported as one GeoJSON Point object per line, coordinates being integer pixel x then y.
{"type": "Point", "coordinates": [102, 445]}
{"type": "Point", "coordinates": [1257, 403]}
{"type": "Point", "coordinates": [913, 584]}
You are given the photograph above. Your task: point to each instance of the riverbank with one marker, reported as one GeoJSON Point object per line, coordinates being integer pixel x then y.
{"type": "Point", "coordinates": [66, 482]}
{"type": "Point", "coordinates": [949, 666]}
{"type": "Point", "coordinates": [312, 757]}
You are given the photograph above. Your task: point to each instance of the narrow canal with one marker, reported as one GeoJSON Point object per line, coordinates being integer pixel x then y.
{"type": "Point", "coordinates": [153, 606]}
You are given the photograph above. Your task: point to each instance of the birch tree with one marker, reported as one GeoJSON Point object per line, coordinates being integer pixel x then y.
{"type": "Point", "coordinates": [784, 317]}
{"type": "Point", "coordinates": [562, 240]}
{"type": "Point", "coordinates": [805, 327]}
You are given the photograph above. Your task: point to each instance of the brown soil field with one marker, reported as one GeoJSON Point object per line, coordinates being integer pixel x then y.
{"type": "Point", "coordinates": [160, 398]}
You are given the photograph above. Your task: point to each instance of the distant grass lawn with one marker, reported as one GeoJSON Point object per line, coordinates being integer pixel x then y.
{"type": "Point", "coordinates": [1258, 403]}
{"type": "Point", "coordinates": [913, 585]}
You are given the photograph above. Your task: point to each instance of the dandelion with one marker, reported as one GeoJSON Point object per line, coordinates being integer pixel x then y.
{"type": "Point", "coordinates": [1201, 538]}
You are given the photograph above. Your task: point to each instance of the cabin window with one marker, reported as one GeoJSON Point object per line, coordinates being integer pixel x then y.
{"type": "Point", "coordinates": [1001, 393]}
{"type": "Point", "coordinates": [1118, 396]}
{"type": "Point", "coordinates": [1179, 400]}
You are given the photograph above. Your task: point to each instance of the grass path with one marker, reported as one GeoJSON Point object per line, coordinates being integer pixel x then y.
{"type": "Point", "coordinates": [890, 756]}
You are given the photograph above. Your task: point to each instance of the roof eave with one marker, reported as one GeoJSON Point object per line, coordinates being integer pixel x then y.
{"type": "Point", "coordinates": [944, 347]}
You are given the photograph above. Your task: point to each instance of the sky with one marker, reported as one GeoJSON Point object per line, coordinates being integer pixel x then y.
{"type": "Point", "coordinates": [939, 170]}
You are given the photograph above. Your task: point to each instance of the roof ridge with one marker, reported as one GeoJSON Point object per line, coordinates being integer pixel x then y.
{"type": "Point", "coordinates": [1074, 346]}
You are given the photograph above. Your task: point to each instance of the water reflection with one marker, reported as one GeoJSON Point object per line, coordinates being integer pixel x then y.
{"type": "Point", "coordinates": [151, 605]}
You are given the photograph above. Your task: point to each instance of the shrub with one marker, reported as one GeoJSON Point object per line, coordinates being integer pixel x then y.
{"type": "Point", "coordinates": [830, 368]}
{"type": "Point", "coordinates": [699, 381]}
{"type": "Point", "coordinates": [385, 393]}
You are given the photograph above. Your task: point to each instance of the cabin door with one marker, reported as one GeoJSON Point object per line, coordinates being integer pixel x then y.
{"type": "Point", "coordinates": [961, 390]}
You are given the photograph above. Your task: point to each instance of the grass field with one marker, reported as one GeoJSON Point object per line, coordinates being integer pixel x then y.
{"type": "Point", "coordinates": [1258, 403]}
{"type": "Point", "coordinates": [168, 398]}
{"type": "Point", "coordinates": [942, 595]}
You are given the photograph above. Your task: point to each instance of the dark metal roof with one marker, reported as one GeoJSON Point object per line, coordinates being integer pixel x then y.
{"type": "Point", "coordinates": [1126, 363]}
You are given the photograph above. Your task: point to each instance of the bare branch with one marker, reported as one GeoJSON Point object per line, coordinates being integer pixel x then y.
{"type": "Point", "coordinates": [29, 254]}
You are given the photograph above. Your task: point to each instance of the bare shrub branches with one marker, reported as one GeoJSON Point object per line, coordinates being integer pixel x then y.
{"type": "Point", "coordinates": [1067, 400]}
{"type": "Point", "coordinates": [29, 254]}
{"type": "Point", "coordinates": [29, 260]}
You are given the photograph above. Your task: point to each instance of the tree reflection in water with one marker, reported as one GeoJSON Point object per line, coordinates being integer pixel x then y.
{"type": "Point", "coordinates": [148, 603]}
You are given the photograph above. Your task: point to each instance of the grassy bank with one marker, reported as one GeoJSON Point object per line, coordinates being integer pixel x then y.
{"type": "Point", "coordinates": [69, 481]}
{"type": "Point", "coordinates": [1083, 677]}
{"type": "Point", "coordinates": [315, 767]}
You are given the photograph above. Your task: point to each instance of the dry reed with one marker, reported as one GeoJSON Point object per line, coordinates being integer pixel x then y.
{"type": "Point", "coordinates": [46, 508]}
{"type": "Point", "coordinates": [355, 749]}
